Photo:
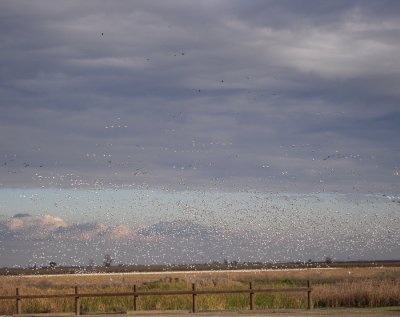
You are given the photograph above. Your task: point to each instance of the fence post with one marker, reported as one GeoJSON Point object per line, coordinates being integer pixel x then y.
{"type": "Point", "coordinates": [309, 296]}
{"type": "Point", "coordinates": [135, 299]}
{"type": "Point", "coordinates": [77, 302]}
{"type": "Point", "coordinates": [18, 301]}
{"type": "Point", "coordinates": [251, 296]}
{"type": "Point", "coordinates": [194, 306]}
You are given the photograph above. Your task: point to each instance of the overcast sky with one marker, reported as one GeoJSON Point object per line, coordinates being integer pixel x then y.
{"type": "Point", "coordinates": [295, 95]}
{"type": "Point", "coordinates": [226, 96]}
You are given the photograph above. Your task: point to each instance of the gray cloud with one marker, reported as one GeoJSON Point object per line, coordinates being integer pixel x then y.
{"type": "Point", "coordinates": [197, 99]}
{"type": "Point", "coordinates": [189, 95]}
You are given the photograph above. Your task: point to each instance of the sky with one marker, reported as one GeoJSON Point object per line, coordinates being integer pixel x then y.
{"type": "Point", "coordinates": [187, 114]}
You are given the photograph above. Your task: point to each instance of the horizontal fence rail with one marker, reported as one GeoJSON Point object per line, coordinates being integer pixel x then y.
{"type": "Point", "coordinates": [136, 294]}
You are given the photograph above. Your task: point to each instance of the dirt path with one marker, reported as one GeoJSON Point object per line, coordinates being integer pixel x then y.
{"type": "Point", "coordinates": [351, 312]}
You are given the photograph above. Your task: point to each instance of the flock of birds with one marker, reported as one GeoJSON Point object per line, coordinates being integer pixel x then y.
{"type": "Point", "coordinates": [247, 226]}
{"type": "Point", "coordinates": [266, 228]}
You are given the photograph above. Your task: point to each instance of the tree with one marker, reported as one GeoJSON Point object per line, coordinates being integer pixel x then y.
{"type": "Point", "coordinates": [53, 264]}
{"type": "Point", "coordinates": [328, 260]}
{"type": "Point", "coordinates": [107, 260]}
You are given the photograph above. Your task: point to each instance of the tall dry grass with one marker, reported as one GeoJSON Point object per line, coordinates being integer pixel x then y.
{"type": "Point", "coordinates": [374, 288]}
{"type": "Point", "coordinates": [358, 293]}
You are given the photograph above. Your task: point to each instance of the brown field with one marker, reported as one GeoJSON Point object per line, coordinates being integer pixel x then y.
{"type": "Point", "coordinates": [193, 267]}
{"type": "Point", "coordinates": [333, 287]}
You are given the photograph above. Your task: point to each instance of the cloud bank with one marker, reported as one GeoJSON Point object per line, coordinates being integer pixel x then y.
{"type": "Point", "coordinates": [272, 233]}
{"type": "Point", "coordinates": [206, 95]}
{"type": "Point", "coordinates": [146, 98]}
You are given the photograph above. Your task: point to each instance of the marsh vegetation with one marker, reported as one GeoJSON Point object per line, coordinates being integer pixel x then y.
{"type": "Point", "coordinates": [338, 287]}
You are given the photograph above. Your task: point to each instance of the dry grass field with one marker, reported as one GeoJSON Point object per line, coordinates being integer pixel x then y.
{"type": "Point", "coordinates": [334, 287]}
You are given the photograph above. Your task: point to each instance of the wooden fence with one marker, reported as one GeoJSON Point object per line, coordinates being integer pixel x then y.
{"type": "Point", "coordinates": [194, 292]}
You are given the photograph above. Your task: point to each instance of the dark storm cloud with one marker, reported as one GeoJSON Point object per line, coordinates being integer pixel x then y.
{"type": "Point", "coordinates": [216, 93]}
